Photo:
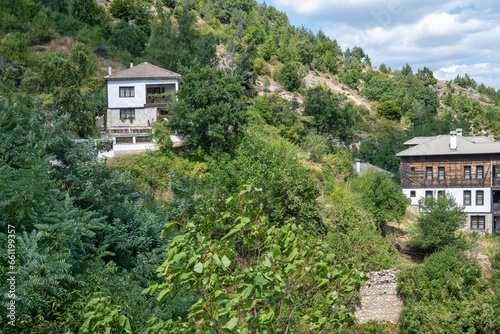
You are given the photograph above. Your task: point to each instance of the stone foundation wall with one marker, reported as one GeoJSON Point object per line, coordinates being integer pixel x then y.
{"type": "Point", "coordinates": [379, 298]}
{"type": "Point", "coordinates": [142, 116]}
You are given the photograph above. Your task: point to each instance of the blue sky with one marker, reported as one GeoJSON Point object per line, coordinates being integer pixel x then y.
{"type": "Point", "coordinates": [450, 36]}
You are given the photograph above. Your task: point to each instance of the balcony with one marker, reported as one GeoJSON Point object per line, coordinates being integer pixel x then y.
{"type": "Point", "coordinates": [159, 99]}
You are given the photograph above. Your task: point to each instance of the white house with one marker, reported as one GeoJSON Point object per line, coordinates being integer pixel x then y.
{"type": "Point", "coordinates": [468, 168]}
{"type": "Point", "coordinates": [136, 97]}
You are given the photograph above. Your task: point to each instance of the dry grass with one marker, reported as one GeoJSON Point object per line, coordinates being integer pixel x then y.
{"type": "Point", "coordinates": [64, 44]}
{"type": "Point", "coordinates": [104, 63]}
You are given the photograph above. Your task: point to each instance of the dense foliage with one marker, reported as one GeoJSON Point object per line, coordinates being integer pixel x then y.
{"type": "Point", "coordinates": [286, 251]}
{"type": "Point", "coordinates": [438, 225]}
{"type": "Point", "coordinates": [210, 110]}
{"type": "Point", "coordinates": [448, 295]}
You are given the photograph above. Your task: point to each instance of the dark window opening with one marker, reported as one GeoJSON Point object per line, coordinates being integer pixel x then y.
{"type": "Point", "coordinates": [428, 173]}
{"type": "Point", "coordinates": [479, 172]}
{"type": "Point", "coordinates": [127, 92]}
{"type": "Point", "coordinates": [477, 222]}
{"type": "Point", "coordinates": [479, 197]}
{"type": "Point", "coordinates": [467, 172]}
{"type": "Point", "coordinates": [441, 173]}
{"type": "Point", "coordinates": [413, 193]}
{"type": "Point", "coordinates": [412, 169]}
{"type": "Point", "coordinates": [441, 194]}
{"type": "Point", "coordinates": [428, 193]}
{"type": "Point", "coordinates": [467, 196]}
{"type": "Point", "coordinates": [127, 113]}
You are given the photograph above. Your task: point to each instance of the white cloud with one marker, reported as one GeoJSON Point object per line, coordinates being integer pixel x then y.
{"type": "Point", "coordinates": [421, 33]}
{"type": "Point", "coordinates": [486, 73]}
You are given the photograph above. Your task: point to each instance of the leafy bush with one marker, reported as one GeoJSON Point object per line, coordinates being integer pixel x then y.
{"type": "Point", "coordinates": [288, 193]}
{"type": "Point", "coordinates": [210, 109]}
{"type": "Point", "coordinates": [257, 277]}
{"type": "Point", "coordinates": [125, 36]}
{"type": "Point", "coordinates": [353, 234]}
{"type": "Point", "coordinates": [447, 295]}
{"type": "Point", "coordinates": [389, 110]}
{"type": "Point", "coordinates": [289, 76]}
{"type": "Point", "coordinates": [438, 223]}
{"type": "Point", "coordinates": [382, 197]}
{"type": "Point", "coordinates": [331, 115]}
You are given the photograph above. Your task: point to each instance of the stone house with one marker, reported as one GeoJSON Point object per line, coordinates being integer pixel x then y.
{"type": "Point", "coordinates": [468, 168]}
{"type": "Point", "coordinates": [136, 97]}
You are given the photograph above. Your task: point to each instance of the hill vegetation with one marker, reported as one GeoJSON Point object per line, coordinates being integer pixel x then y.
{"type": "Point", "coordinates": [260, 223]}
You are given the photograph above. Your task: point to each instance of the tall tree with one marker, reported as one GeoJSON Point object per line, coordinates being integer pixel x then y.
{"type": "Point", "coordinates": [172, 45]}
{"type": "Point", "coordinates": [210, 109]}
{"type": "Point", "coordinates": [331, 115]}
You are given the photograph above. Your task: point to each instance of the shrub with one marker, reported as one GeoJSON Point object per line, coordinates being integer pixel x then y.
{"type": "Point", "coordinates": [389, 110]}
{"type": "Point", "coordinates": [288, 75]}
{"type": "Point", "coordinates": [382, 197]}
{"type": "Point", "coordinates": [288, 193]}
{"type": "Point", "coordinates": [438, 224]}
{"type": "Point", "coordinates": [447, 296]}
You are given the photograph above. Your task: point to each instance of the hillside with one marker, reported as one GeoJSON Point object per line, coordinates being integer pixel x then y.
{"type": "Point", "coordinates": [259, 223]}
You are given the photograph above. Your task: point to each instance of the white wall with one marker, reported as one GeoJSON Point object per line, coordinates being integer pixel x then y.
{"type": "Point", "coordinates": [458, 194]}
{"type": "Point", "coordinates": [138, 101]}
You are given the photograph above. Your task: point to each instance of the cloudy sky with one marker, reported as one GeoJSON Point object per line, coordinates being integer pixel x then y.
{"type": "Point", "coordinates": [448, 36]}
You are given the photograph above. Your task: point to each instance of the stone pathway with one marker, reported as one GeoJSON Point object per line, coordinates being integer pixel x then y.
{"type": "Point", "coordinates": [379, 298]}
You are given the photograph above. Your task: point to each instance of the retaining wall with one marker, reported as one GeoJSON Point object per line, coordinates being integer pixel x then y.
{"type": "Point", "coordinates": [379, 298]}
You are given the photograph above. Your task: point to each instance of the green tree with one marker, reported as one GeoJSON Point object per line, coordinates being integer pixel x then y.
{"type": "Point", "coordinates": [383, 68]}
{"type": "Point", "coordinates": [210, 109]}
{"type": "Point", "coordinates": [389, 110]}
{"type": "Point", "coordinates": [285, 272]}
{"type": "Point", "coordinates": [331, 115]}
{"type": "Point", "coordinates": [427, 76]}
{"type": "Point", "coordinates": [288, 192]}
{"type": "Point", "coordinates": [382, 197]}
{"type": "Point", "coordinates": [405, 70]}
{"type": "Point", "coordinates": [289, 76]}
{"type": "Point", "coordinates": [380, 88]}
{"type": "Point", "coordinates": [438, 223]}
{"type": "Point", "coordinates": [448, 295]}
{"type": "Point", "coordinates": [126, 37]}
{"type": "Point", "coordinates": [171, 44]}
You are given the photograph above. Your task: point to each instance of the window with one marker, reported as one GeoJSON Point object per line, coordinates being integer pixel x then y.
{"type": "Point", "coordinates": [479, 197]}
{"type": "Point", "coordinates": [428, 193]}
{"type": "Point", "coordinates": [413, 193]}
{"type": "Point", "coordinates": [467, 172]}
{"type": "Point", "coordinates": [127, 113]}
{"type": "Point", "coordinates": [412, 169]}
{"type": "Point", "coordinates": [466, 197]}
{"type": "Point", "coordinates": [479, 172]}
{"type": "Point", "coordinates": [441, 194]}
{"type": "Point", "coordinates": [428, 173]}
{"type": "Point", "coordinates": [441, 173]}
{"type": "Point", "coordinates": [127, 92]}
{"type": "Point", "coordinates": [477, 222]}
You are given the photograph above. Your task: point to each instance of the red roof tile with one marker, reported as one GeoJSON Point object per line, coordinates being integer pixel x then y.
{"type": "Point", "coordinates": [143, 71]}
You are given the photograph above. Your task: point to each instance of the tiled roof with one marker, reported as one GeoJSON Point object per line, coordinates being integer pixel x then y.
{"type": "Point", "coordinates": [440, 145]}
{"type": "Point", "coordinates": [143, 71]}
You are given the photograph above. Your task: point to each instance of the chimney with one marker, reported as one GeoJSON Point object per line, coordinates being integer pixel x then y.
{"type": "Point", "coordinates": [109, 70]}
{"type": "Point", "coordinates": [459, 132]}
{"type": "Point", "coordinates": [358, 165]}
{"type": "Point", "coordinates": [131, 64]}
{"type": "Point", "coordinates": [453, 140]}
